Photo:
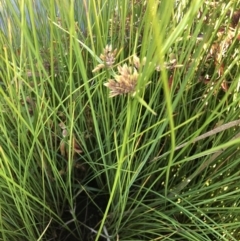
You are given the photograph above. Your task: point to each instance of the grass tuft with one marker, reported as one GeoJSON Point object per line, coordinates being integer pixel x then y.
{"type": "Point", "coordinates": [119, 120]}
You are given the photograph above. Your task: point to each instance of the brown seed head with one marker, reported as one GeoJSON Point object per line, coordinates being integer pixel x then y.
{"type": "Point", "coordinates": [108, 57]}
{"type": "Point", "coordinates": [124, 83]}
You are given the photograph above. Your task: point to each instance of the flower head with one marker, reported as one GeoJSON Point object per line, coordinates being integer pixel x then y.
{"type": "Point", "coordinates": [123, 83]}
{"type": "Point", "coordinates": [108, 57]}
{"type": "Point", "coordinates": [136, 62]}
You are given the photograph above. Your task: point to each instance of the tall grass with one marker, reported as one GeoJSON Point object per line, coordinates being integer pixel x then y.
{"type": "Point", "coordinates": [158, 160]}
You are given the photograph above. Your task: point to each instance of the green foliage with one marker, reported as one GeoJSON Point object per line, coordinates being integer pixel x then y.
{"type": "Point", "coordinates": [162, 153]}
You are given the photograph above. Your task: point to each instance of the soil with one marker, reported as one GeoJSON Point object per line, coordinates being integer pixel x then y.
{"type": "Point", "coordinates": [89, 212]}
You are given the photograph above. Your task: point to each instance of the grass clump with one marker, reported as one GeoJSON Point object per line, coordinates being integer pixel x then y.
{"type": "Point", "coordinates": [119, 120]}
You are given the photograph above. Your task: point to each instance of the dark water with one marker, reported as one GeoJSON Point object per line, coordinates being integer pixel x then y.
{"type": "Point", "coordinates": [11, 10]}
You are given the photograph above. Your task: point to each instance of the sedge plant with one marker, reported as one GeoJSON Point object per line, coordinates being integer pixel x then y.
{"type": "Point", "coordinates": [119, 120]}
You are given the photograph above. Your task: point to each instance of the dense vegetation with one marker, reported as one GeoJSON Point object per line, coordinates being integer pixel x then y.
{"type": "Point", "coordinates": [119, 120]}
